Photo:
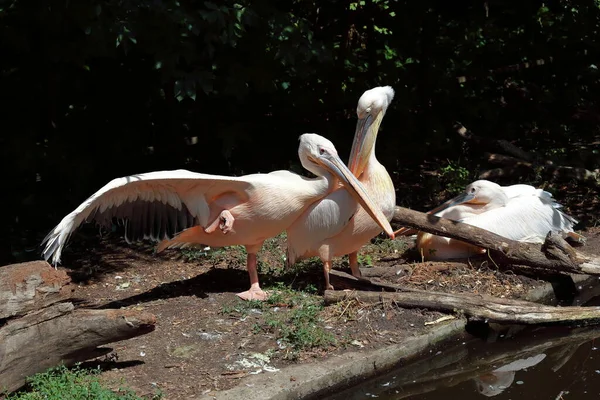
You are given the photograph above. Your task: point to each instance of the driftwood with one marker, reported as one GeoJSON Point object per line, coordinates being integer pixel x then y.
{"type": "Point", "coordinates": [554, 255]}
{"type": "Point", "coordinates": [31, 286]}
{"type": "Point", "coordinates": [478, 306]}
{"type": "Point", "coordinates": [39, 330]}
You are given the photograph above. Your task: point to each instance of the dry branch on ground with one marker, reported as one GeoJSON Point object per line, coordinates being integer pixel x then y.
{"type": "Point", "coordinates": [39, 330]}
{"type": "Point", "coordinates": [478, 307]}
{"type": "Point", "coordinates": [555, 255]}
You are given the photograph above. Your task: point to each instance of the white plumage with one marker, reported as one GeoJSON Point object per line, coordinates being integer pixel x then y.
{"type": "Point", "coordinates": [336, 225]}
{"type": "Point", "coordinates": [518, 212]}
{"type": "Point", "coordinates": [182, 207]}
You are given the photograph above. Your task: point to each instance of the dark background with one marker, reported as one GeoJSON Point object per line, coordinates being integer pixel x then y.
{"type": "Point", "coordinates": [91, 91]}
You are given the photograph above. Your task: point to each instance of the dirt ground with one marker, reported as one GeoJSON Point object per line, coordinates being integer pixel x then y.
{"type": "Point", "coordinates": [206, 339]}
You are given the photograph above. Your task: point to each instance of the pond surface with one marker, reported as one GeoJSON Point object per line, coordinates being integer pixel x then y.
{"type": "Point", "coordinates": [503, 362]}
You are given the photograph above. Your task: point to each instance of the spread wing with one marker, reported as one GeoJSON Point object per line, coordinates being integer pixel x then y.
{"type": "Point", "coordinates": [154, 205]}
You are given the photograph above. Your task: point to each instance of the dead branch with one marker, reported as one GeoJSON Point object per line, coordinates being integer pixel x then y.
{"type": "Point", "coordinates": [41, 331]}
{"type": "Point", "coordinates": [495, 144]}
{"type": "Point", "coordinates": [29, 286]}
{"type": "Point", "coordinates": [519, 161]}
{"type": "Point", "coordinates": [554, 255]}
{"type": "Point", "coordinates": [61, 334]}
{"type": "Point", "coordinates": [479, 307]}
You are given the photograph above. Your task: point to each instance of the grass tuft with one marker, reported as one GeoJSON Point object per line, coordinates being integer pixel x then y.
{"type": "Point", "coordinates": [61, 383]}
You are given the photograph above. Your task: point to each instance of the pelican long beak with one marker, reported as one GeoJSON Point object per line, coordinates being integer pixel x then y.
{"type": "Point", "coordinates": [364, 140]}
{"type": "Point", "coordinates": [336, 166]}
{"type": "Point", "coordinates": [460, 199]}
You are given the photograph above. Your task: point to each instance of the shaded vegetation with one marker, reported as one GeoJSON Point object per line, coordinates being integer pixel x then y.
{"type": "Point", "coordinates": [95, 90]}
{"type": "Point", "coordinates": [293, 316]}
{"type": "Point", "coordinates": [75, 384]}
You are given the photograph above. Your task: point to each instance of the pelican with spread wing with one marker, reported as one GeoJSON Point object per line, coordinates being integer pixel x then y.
{"type": "Point", "coordinates": [336, 225]}
{"type": "Point", "coordinates": [517, 212]}
{"type": "Point", "coordinates": [182, 208]}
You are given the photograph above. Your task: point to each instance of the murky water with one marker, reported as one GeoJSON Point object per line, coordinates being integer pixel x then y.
{"type": "Point", "coordinates": [503, 362]}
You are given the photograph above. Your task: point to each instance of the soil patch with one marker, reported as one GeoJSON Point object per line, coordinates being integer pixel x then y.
{"type": "Point", "coordinates": [207, 339]}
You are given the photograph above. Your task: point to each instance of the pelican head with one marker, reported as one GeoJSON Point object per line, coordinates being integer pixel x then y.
{"type": "Point", "coordinates": [371, 108]}
{"type": "Point", "coordinates": [479, 193]}
{"type": "Point", "coordinates": [319, 156]}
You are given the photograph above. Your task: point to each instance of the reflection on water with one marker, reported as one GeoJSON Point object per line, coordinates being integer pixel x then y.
{"type": "Point", "coordinates": [511, 362]}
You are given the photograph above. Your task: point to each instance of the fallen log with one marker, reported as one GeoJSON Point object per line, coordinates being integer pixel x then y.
{"type": "Point", "coordinates": [554, 255]}
{"type": "Point", "coordinates": [477, 307]}
{"type": "Point", "coordinates": [61, 334]}
{"type": "Point", "coordinates": [39, 330]}
{"type": "Point", "coordinates": [30, 286]}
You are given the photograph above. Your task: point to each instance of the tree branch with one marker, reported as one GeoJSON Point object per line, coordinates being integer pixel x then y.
{"type": "Point", "coordinates": [479, 307]}
{"type": "Point", "coordinates": [554, 255]}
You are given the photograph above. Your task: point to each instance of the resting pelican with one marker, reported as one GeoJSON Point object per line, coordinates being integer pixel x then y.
{"type": "Point", "coordinates": [246, 210]}
{"type": "Point", "coordinates": [517, 212]}
{"type": "Point", "coordinates": [336, 225]}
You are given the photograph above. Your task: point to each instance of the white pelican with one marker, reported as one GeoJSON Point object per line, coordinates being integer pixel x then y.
{"type": "Point", "coordinates": [517, 212]}
{"type": "Point", "coordinates": [336, 225]}
{"type": "Point", "coordinates": [247, 210]}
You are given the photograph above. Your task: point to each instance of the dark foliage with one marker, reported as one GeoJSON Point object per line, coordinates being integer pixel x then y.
{"type": "Point", "coordinates": [94, 90]}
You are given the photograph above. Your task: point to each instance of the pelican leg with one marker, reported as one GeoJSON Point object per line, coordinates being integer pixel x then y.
{"type": "Point", "coordinates": [224, 221]}
{"type": "Point", "coordinates": [353, 260]}
{"type": "Point", "coordinates": [255, 292]}
{"type": "Point", "coordinates": [326, 269]}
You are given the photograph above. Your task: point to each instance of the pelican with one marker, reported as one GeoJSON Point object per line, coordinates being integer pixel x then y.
{"type": "Point", "coordinates": [217, 210]}
{"type": "Point", "coordinates": [336, 225]}
{"type": "Point", "coordinates": [517, 212]}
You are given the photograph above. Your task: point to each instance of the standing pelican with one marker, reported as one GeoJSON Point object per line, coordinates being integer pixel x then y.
{"type": "Point", "coordinates": [336, 225]}
{"type": "Point", "coordinates": [246, 210]}
{"type": "Point", "coordinates": [517, 212]}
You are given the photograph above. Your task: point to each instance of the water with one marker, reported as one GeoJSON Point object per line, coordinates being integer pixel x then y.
{"type": "Point", "coordinates": [503, 362]}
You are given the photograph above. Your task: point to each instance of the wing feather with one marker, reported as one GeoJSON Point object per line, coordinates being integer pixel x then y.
{"type": "Point", "coordinates": [154, 205]}
{"type": "Point", "coordinates": [526, 218]}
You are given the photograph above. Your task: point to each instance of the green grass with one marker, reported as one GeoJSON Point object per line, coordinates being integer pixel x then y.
{"type": "Point", "coordinates": [61, 383]}
{"type": "Point", "coordinates": [378, 248]}
{"type": "Point", "coordinates": [293, 316]}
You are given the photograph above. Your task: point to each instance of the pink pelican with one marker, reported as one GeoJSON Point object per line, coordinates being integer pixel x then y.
{"type": "Point", "coordinates": [246, 210]}
{"type": "Point", "coordinates": [336, 225]}
{"type": "Point", "coordinates": [517, 212]}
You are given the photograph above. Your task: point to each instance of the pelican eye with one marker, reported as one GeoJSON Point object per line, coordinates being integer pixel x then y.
{"type": "Point", "coordinates": [472, 190]}
{"type": "Point", "coordinates": [321, 150]}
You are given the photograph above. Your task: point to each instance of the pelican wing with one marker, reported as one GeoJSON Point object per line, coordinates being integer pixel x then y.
{"type": "Point", "coordinates": [525, 218]}
{"type": "Point", "coordinates": [154, 205]}
{"type": "Point", "coordinates": [519, 190]}
{"type": "Point", "coordinates": [545, 197]}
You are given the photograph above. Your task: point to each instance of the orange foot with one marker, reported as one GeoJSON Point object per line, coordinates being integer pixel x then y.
{"type": "Point", "coordinates": [224, 222]}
